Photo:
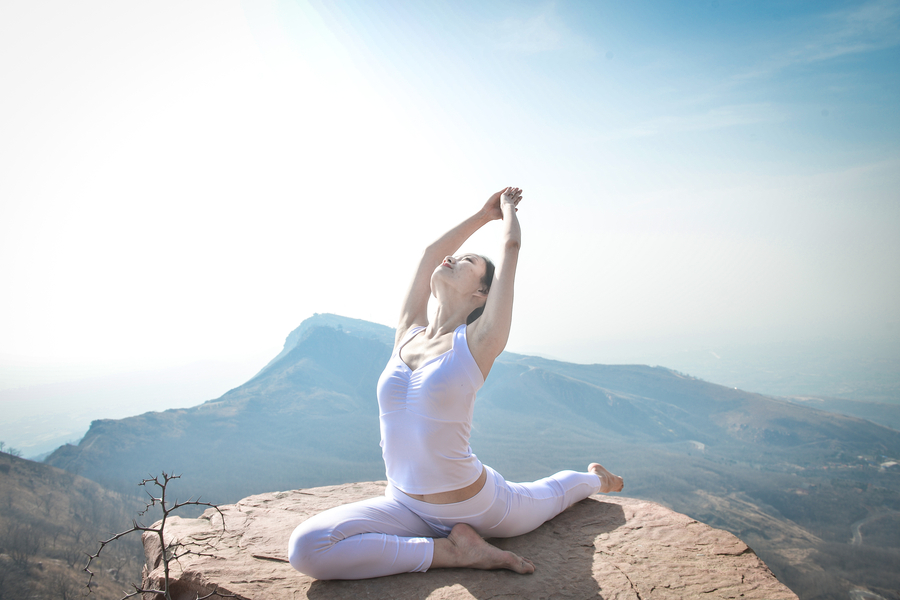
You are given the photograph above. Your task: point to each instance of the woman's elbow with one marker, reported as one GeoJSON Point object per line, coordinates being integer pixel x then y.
{"type": "Point", "coordinates": [512, 245]}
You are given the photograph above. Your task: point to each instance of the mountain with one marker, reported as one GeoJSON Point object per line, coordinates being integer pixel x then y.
{"type": "Point", "coordinates": [308, 418]}
{"type": "Point", "coordinates": [356, 327]}
{"type": "Point", "coordinates": [812, 492]}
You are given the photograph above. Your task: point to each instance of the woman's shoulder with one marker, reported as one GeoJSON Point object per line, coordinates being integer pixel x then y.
{"type": "Point", "coordinates": [404, 333]}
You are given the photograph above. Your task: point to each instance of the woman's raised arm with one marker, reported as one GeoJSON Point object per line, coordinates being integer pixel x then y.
{"type": "Point", "coordinates": [488, 335]}
{"type": "Point", "coordinates": [415, 303]}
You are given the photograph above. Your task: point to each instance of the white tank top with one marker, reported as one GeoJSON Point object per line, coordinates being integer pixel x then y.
{"type": "Point", "coordinates": [426, 419]}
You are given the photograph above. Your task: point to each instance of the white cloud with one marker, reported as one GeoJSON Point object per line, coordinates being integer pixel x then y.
{"type": "Point", "coordinates": [871, 26]}
{"type": "Point", "coordinates": [867, 27]}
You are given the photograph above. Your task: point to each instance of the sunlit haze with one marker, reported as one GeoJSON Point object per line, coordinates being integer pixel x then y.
{"type": "Point", "coordinates": [185, 182]}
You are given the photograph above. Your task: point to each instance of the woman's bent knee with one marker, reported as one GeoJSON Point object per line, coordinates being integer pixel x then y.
{"type": "Point", "coordinates": [306, 549]}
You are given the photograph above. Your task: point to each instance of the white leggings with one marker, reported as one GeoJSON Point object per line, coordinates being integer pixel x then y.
{"type": "Point", "coordinates": [394, 533]}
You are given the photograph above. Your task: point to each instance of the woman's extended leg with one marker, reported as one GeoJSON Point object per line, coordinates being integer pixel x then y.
{"type": "Point", "coordinates": [526, 506]}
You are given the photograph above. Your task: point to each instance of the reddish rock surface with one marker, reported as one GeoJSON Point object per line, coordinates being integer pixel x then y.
{"type": "Point", "coordinates": [604, 547]}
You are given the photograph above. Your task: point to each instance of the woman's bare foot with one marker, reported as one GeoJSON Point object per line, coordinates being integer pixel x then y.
{"type": "Point", "coordinates": [609, 482]}
{"type": "Point", "coordinates": [465, 548]}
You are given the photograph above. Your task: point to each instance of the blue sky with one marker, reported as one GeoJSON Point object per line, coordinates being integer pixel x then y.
{"type": "Point", "coordinates": [184, 182]}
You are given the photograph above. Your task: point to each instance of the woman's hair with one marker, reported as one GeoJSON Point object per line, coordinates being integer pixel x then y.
{"type": "Point", "coordinates": [486, 282]}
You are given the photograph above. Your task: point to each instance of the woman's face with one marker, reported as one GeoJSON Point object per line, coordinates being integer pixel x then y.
{"type": "Point", "coordinates": [463, 273]}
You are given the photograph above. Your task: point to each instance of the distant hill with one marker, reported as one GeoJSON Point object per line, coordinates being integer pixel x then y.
{"type": "Point", "coordinates": [790, 480]}
{"type": "Point", "coordinates": [49, 521]}
{"type": "Point", "coordinates": [877, 412]}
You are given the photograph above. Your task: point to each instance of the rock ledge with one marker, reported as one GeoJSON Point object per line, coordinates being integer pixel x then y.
{"type": "Point", "coordinates": [604, 547]}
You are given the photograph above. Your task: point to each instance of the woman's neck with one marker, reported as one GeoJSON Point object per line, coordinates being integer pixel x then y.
{"type": "Point", "coordinates": [447, 318]}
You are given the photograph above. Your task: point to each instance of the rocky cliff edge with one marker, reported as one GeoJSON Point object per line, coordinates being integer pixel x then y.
{"type": "Point", "coordinates": [604, 547]}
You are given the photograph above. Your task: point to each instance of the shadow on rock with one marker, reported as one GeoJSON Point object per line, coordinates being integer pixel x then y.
{"type": "Point", "coordinates": [562, 551]}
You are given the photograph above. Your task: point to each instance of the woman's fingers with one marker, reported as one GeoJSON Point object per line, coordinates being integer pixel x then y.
{"type": "Point", "coordinates": [512, 194]}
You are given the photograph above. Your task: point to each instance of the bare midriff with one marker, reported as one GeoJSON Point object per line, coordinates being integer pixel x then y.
{"type": "Point", "coordinates": [453, 496]}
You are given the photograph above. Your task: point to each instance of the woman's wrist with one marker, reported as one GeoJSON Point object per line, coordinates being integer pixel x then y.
{"type": "Point", "coordinates": [482, 217]}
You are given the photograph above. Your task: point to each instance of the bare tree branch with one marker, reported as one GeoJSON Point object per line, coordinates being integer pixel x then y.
{"type": "Point", "coordinates": [172, 552]}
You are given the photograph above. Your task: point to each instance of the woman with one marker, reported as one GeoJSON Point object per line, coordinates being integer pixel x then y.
{"type": "Point", "coordinates": [441, 501]}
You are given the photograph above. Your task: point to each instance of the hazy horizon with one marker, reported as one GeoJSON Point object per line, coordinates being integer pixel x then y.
{"type": "Point", "coordinates": [185, 183]}
{"type": "Point", "coordinates": [40, 418]}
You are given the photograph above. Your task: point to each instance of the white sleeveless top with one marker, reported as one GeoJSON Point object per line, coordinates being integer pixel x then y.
{"type": "Point", "coordinates": [426, 419]}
